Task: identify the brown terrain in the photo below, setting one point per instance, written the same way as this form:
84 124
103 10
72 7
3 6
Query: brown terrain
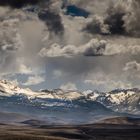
109 129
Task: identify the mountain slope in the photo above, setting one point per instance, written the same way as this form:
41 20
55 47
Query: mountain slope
121 121
120 100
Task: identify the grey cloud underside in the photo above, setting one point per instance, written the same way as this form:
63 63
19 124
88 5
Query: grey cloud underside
95 47
106 43
52 20
121 17
116 18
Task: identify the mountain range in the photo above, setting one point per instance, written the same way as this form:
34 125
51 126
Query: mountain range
68 106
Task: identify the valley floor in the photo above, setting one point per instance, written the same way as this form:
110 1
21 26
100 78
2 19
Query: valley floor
81 132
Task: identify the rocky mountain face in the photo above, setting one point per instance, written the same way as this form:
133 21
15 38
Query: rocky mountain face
119 100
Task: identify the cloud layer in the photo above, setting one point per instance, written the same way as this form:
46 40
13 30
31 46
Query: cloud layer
41 37
95 47
120 17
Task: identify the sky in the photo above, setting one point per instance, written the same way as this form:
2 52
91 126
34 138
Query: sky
70 44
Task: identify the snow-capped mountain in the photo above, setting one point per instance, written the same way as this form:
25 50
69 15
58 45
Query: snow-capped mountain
120 100
9 88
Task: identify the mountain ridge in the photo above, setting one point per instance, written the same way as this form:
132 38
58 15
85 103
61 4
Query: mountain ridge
118 100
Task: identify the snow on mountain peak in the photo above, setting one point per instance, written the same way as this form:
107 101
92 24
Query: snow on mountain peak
8 88
121 100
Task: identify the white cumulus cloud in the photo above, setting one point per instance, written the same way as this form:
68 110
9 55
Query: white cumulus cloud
34 80
68 86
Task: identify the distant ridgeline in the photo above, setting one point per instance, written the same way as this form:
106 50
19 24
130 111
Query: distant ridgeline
120 100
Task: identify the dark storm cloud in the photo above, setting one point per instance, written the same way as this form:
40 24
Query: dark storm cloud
51 18
18 3
114 18
112 24
97 26
69 52
115 23
121 17
53 21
